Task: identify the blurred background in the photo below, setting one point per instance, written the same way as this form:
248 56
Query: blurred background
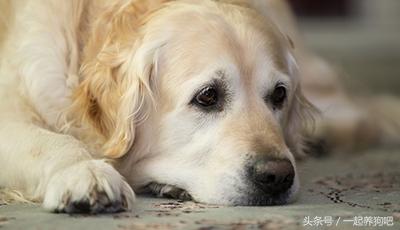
361 37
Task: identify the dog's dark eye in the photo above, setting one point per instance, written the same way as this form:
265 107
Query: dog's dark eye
207 97
278 97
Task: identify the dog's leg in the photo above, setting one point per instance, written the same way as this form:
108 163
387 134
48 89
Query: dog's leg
58 170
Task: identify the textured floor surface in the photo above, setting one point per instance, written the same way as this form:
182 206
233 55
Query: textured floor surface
336 191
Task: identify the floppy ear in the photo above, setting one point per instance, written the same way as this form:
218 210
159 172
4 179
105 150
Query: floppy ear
299 124
300 119
114 94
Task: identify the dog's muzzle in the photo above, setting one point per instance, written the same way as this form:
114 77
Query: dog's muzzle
268 181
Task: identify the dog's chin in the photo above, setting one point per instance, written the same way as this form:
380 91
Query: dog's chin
259 198
253 197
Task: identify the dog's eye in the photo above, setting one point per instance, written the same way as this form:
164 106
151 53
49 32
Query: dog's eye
278 97
207 97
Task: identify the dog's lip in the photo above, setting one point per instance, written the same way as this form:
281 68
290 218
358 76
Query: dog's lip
167 191
253 197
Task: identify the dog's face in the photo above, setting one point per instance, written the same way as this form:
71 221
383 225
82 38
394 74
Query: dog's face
225 113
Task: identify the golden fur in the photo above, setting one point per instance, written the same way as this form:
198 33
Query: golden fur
105 96
105 80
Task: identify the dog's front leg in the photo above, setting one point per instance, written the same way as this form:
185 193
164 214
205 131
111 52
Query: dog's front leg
58 170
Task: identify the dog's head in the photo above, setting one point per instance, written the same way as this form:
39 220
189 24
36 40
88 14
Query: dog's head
202 96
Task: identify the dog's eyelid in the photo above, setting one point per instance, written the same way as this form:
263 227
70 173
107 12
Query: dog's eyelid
220 89
217 84
277 96
281 84
278 84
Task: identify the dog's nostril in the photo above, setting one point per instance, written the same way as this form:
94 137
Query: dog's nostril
270 179
273 176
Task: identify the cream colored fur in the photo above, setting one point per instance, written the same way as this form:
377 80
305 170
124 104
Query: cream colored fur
94 98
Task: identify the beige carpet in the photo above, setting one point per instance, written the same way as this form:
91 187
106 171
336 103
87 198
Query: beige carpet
340 192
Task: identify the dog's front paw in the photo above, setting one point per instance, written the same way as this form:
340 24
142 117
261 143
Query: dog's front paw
88 187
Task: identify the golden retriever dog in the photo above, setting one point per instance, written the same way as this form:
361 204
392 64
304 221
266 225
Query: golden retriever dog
189 99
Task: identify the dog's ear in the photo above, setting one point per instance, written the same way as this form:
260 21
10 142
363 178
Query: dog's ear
300 118
299 124
114 94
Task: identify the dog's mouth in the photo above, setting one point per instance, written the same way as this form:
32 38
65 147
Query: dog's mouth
173 192
167 191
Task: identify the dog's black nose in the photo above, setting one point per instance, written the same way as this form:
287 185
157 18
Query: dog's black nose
273 176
